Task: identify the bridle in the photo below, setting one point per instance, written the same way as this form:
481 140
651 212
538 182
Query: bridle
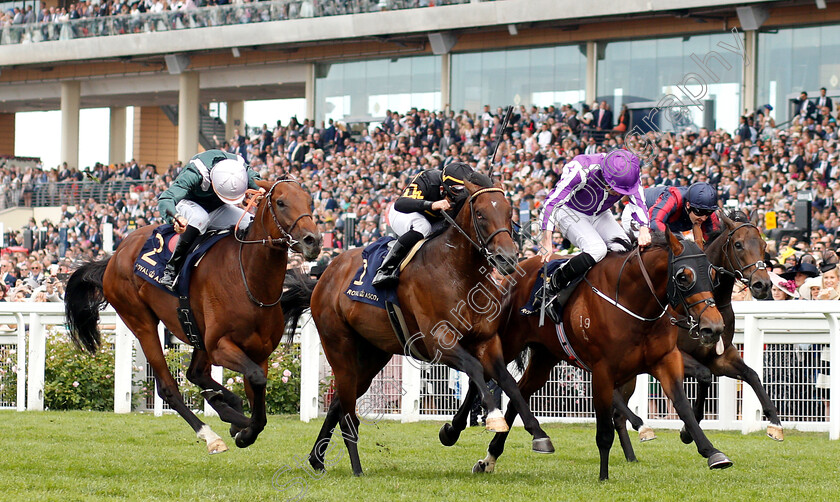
483 242
676 294
737 271
284 242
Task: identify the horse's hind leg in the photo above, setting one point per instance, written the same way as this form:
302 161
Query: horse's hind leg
229 355
693 368
669 372
536 374
143 324
620 423
449 433
319 450
227 404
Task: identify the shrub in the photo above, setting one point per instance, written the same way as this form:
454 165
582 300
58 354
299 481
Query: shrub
76 380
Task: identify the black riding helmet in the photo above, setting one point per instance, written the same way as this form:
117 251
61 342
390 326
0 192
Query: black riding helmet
702 196
453 177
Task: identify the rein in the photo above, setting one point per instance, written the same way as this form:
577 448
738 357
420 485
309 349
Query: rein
615 301
285 241
482 243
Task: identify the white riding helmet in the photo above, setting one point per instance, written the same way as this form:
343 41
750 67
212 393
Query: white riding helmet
230 180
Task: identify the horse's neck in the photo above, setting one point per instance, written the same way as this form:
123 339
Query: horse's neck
657 270
260 261
453 247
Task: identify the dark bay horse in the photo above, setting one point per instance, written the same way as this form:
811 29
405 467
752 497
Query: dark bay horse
232 295
451 306
616 326
737 252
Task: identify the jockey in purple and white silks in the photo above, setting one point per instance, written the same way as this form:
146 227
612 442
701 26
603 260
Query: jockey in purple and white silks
579 207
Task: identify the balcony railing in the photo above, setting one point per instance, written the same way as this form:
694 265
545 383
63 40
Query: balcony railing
243 13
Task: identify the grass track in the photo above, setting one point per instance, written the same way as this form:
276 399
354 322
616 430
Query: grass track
102 456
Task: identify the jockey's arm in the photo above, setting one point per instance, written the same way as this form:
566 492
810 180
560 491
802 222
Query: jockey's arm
572 181
662 211
178 191
413 198
640 214
253 176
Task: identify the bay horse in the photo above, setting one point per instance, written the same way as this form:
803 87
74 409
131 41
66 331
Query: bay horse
616 325
235 294
737 253
451 306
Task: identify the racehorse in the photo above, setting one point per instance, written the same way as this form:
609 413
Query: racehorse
453 265
614 336
737 253
234 293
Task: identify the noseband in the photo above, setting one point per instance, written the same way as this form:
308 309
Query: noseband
483 242
737 271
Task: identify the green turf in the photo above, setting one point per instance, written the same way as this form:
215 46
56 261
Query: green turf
102 456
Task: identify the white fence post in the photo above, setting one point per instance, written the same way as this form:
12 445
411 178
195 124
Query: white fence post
159 400
21 362
310 359
728 402
754 357
411 379
123 366
834 377
37 356
217 373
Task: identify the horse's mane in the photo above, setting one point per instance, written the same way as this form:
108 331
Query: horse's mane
734 215
657 239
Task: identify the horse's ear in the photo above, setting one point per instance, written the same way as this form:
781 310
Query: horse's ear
498 184
725 219
471 187
264 184
755 219
673 242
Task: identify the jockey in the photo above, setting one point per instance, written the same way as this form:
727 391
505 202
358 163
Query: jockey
681 208
204 195
579 206
413 214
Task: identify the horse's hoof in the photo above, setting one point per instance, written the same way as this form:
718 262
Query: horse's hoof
775 432
542 445
316 464
448 435
685 437
217 446
719 461
497 424
646 434
483 467
243 439
234 430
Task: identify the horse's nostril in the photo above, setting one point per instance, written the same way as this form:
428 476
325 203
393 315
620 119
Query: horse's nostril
309 240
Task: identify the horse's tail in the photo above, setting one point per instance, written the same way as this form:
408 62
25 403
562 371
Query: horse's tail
83 299
521 358
297 292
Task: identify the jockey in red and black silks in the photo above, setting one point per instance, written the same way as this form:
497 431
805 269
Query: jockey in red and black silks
680 208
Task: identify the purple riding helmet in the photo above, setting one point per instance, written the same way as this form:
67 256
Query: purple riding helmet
621 171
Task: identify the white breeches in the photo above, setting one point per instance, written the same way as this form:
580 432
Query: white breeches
218 219
590 233
403 222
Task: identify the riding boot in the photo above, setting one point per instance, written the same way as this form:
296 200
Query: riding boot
389 271
562 278
176 261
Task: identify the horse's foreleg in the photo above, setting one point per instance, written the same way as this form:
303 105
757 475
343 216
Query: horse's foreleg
146 332
536 374
669 372
731 365
227 404
602 394
229 355
449 433
694 368
457 357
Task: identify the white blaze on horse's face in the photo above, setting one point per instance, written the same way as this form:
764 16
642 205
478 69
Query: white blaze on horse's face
493 202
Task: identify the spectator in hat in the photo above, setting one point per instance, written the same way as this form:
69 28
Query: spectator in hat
782 289
802 271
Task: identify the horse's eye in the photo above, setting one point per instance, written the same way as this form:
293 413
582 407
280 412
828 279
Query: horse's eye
280 203
739 246
479 215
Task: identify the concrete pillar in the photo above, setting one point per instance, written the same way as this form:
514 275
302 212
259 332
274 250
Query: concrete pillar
71 93
7 134
749 89
116 139
155 138
309 91
188 119
446 81
591 72
235 118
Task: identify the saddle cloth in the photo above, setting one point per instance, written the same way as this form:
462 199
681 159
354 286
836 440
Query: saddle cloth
361 289
158 249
